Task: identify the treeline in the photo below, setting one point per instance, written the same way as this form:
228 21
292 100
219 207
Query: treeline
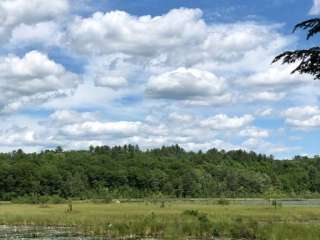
128 172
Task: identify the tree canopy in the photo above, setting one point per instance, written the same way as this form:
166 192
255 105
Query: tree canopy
128 172
309 59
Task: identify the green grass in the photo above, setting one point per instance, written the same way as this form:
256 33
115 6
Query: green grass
174 221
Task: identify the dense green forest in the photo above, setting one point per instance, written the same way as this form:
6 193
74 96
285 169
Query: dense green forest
128 172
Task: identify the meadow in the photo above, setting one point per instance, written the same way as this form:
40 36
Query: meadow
171 220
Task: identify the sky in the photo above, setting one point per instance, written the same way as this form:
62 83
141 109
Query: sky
197 73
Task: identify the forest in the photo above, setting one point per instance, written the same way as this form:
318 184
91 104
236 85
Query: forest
128 172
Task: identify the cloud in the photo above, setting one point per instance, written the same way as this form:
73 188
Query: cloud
210 47
35 99
264 96
276 76
73 129
306 117
116 71
47 33
123 56
15 136
260 145
78 130
187 84
111 82
315 10
147 80
89 129
14 13
31 77
274 83
87 95
234 49
180 118
265 112
117 31
254 132
65 117
224 122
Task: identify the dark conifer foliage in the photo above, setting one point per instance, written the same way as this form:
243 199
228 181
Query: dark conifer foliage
309 58
312 25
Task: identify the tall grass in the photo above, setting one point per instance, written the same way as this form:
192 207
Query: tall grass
175 220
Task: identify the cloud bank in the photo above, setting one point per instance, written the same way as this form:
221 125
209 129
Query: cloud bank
116 78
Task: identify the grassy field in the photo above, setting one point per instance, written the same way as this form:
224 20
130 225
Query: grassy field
175 220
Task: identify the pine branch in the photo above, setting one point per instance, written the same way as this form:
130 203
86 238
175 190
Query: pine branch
312 25
310 60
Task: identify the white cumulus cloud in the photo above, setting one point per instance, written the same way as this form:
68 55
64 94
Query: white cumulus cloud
224 122
187 84
14 12
315 10
305 117
118 31
47 33
96 128
31 76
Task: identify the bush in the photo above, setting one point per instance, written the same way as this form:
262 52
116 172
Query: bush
43 199
26 199
223 201
105 200
244 230
205 224
220 229
56 199
36 199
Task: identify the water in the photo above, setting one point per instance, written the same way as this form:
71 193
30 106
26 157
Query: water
285 202
46 233
41 233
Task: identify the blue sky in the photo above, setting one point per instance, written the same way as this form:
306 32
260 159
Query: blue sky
155 72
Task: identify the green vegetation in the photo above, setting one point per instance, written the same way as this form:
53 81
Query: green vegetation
177 220
124 172
106 173
154 186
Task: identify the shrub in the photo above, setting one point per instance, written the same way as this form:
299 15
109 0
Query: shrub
107 200
223 201
56 199
26 199
36 199
43 199
205 224
244 230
